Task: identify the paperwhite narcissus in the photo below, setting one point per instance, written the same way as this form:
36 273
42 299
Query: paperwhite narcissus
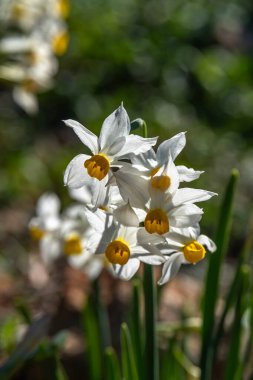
162 211
114 142
187 248
121 243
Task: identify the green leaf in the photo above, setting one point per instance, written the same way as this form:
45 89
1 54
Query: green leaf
170 368
112 368
212 279
233 358
127 353
92 339
151 352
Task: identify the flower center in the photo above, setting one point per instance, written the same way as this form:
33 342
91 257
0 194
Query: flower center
62 8
117 252
17 11
161 182
36 233
97 166
154 171
156 221
73 245
194 252
60 43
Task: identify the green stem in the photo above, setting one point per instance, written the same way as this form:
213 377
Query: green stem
151 353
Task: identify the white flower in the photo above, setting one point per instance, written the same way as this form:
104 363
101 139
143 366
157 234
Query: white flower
187 248
162 211
121 243
47 216
113 143
151 162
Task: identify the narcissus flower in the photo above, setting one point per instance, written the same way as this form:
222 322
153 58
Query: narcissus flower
162 211
121 243
114 143
187 248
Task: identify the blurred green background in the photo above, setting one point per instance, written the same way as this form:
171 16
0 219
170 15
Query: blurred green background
180 65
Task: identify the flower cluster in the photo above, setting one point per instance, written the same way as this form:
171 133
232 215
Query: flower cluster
37 33
130 207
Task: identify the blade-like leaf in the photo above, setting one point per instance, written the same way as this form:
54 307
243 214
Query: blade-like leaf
112 369
233 358
212 280
92 338
127 353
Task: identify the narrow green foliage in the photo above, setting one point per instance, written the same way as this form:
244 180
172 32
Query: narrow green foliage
151 352
127 355
102 315
136 329
169 367
212 280
233 362
190 369
112 369
92 339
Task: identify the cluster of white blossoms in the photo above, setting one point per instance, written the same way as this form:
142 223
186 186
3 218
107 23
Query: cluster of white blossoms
35 32
130 208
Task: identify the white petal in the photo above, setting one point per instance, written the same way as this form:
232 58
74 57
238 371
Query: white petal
114 147
85 135
144 237
127 271
133 188
50 248
175 240
99 220
129 234
171 147
170 170
205 240
188 195
144 161
99 193
125 215
148 254
94 266
78 261
26 100
136 144
115 125
171 267
48 204
188 174
76 175
82 194
185 215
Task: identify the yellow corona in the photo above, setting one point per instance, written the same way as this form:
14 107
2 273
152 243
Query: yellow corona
117 252
156 221
194 252
73 245
97 166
